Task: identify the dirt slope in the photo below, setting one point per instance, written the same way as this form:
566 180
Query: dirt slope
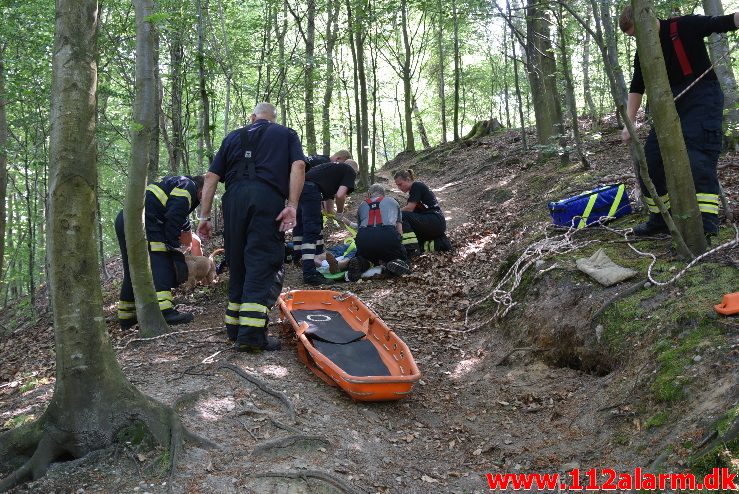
479 408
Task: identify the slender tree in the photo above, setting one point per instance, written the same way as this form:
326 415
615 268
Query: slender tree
92 398
3 159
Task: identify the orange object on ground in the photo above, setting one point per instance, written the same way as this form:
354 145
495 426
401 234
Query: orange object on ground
347 345
729 305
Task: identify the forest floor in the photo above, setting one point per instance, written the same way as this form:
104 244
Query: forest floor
554 385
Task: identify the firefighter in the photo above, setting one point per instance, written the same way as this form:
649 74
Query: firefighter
330 183
263 167
166 208
379 234
424 225
700 110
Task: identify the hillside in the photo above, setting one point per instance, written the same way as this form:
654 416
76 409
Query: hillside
555 384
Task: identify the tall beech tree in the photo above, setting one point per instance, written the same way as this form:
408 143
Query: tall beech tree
92 398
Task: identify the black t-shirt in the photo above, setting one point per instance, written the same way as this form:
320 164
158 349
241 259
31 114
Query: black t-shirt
691 29
423 197
330 176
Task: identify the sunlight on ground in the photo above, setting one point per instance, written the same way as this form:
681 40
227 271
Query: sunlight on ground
446 186
165 359
274 370
465 367
477 246
213 409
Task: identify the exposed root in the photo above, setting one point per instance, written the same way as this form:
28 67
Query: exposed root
46 452
264 387
21 441
625 293
284 442
313 474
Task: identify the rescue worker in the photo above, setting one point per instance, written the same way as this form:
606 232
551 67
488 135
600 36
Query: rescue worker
166 208
263 167
329 182
379 234
700 110
424 225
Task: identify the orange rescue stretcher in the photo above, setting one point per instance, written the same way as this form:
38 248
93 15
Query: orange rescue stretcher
347 345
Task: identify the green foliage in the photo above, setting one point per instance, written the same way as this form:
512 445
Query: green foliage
656 420
34 383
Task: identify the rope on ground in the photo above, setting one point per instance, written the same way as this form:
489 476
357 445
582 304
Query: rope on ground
564 243
168 334
692 263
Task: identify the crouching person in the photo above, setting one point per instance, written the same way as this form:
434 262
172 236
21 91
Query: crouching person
379 235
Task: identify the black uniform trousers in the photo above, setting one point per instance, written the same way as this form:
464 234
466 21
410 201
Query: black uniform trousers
162 270
255 249
379 244
701 112
421 231
308 231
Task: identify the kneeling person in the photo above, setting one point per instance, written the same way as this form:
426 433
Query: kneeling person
379 235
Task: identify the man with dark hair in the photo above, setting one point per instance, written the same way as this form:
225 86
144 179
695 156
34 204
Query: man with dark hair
700 110
166 208
263 167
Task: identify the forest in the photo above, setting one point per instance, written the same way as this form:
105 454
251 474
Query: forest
393 81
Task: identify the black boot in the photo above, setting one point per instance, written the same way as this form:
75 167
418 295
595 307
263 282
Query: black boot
655 225
174 317
270 344
357 265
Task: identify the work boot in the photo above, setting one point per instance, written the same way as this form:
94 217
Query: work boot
270 345
655 225
357 265
333 264
398 267
174 317
315 279
443 244
128 323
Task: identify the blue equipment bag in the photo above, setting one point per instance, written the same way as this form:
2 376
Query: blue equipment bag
611 201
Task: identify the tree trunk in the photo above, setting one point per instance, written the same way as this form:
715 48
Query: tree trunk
440 50
680 185
719 48
92 399
202 86
363 120
227 69
176 56
282 74
517 83
375 106
3 160
310 43
586 87
31 237
609 34
570 90
419 124
542 71
457 69
355 32
148 313
332 28
410 143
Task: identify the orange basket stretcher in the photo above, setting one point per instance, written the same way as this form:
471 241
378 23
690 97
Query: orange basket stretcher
347 345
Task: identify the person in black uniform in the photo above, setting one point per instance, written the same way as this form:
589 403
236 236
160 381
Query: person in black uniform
424 225
263 167
700 110
326 182
166 208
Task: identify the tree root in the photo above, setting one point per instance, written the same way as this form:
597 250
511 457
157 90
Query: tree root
284 442
313 474
264 387
628 291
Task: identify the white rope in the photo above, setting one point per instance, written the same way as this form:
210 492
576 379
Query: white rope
502 294
166 335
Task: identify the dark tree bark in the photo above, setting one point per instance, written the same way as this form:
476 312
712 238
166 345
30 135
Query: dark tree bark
309 69
516 79
92 399
586 86
204 113
457 69
410 143
332 27
442 82
176 60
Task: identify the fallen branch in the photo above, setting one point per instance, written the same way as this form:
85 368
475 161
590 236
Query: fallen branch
264 387
314 474
629 291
